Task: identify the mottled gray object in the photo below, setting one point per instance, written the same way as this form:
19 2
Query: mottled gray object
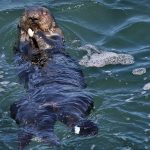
106 58
139 71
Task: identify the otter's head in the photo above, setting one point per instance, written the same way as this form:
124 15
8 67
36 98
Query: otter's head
37 20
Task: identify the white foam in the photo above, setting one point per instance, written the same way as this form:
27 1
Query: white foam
139 71
106 58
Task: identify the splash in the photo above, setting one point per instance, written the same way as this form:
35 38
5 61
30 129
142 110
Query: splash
97 58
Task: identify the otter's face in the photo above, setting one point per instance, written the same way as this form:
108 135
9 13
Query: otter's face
38 18
33 21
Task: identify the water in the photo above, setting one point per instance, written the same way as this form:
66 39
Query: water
122 106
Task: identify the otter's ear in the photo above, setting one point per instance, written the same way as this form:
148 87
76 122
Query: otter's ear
18 26
44 6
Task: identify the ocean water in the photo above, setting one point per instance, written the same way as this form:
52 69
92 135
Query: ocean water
121 92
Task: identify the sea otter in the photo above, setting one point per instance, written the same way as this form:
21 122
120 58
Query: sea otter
54 82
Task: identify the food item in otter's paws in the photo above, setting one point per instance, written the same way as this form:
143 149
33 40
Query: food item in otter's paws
30 32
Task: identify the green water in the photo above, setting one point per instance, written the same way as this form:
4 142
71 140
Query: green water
122 107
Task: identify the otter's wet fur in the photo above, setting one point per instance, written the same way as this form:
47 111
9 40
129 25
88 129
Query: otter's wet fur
54 82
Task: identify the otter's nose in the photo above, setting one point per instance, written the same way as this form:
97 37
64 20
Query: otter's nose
33 19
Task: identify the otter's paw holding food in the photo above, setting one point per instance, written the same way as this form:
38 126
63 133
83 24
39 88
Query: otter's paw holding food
30 32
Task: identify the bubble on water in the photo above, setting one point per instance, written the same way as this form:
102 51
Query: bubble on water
146 86
2 90
148 115
139 71
104 58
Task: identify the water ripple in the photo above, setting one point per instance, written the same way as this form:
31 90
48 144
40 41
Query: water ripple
121 104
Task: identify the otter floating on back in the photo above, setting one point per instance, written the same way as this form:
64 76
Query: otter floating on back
55 86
